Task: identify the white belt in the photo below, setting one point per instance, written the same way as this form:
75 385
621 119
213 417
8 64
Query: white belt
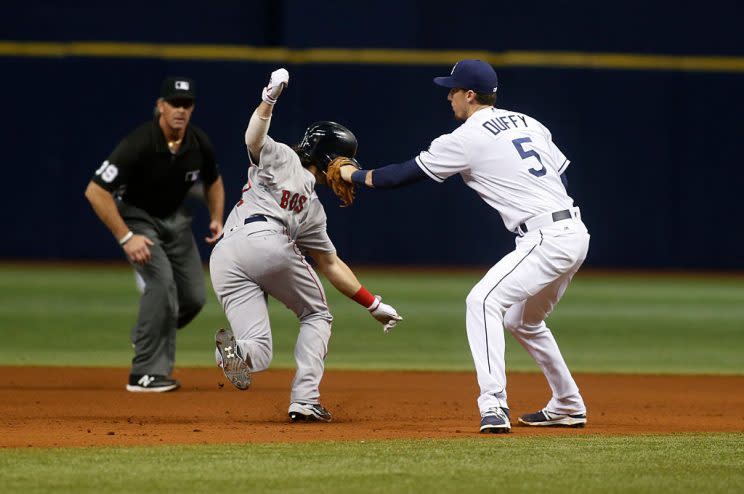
542 220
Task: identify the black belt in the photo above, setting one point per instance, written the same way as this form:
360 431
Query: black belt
557 216
250 219
255 217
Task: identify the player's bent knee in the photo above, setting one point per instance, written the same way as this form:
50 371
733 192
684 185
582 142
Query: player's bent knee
475 298
531 330
322 315
478 300
512 324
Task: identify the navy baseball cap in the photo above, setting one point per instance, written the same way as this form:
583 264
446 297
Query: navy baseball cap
177 87
471 74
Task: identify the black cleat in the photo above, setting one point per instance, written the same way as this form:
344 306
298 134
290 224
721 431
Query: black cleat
308 412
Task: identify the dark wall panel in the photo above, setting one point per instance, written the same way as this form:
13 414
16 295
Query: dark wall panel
655 162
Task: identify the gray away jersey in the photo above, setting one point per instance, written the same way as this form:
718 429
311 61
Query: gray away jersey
279 187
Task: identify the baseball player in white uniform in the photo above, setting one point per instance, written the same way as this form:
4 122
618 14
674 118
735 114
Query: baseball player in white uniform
510 160
277 221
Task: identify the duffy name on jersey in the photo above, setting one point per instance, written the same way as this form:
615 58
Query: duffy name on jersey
497 124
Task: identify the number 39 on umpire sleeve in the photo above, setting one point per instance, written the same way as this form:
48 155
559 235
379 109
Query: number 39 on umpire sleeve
107 171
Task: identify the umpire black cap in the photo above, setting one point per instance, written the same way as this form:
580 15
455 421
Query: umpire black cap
177 87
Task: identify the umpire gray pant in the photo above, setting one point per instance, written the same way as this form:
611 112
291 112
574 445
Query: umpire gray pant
174 288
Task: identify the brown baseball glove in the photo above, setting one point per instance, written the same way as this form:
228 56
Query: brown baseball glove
344 190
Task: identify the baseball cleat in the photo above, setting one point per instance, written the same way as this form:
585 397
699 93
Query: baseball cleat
308 412
151 383
235 367
544 418
495 421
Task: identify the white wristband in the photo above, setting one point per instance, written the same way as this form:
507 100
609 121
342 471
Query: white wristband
126 238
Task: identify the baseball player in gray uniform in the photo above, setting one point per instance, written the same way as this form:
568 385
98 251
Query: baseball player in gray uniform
277 221
510 160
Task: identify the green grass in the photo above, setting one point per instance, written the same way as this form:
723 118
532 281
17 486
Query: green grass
68 315
638 464
72 315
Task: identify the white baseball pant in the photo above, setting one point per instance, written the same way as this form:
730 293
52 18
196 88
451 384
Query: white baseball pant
518 293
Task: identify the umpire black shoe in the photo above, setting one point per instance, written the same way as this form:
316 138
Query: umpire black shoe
235 367
308 412
151 383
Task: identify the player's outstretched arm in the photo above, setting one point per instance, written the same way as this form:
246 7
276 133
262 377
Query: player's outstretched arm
346 282
386 177
258 126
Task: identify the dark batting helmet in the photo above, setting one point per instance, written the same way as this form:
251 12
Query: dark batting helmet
324 141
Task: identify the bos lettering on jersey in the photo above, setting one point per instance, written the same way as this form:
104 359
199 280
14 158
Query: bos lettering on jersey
498 124
292 202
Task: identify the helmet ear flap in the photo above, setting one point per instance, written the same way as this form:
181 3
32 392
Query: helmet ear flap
304 156
325 160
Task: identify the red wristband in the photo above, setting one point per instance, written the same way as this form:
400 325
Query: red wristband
363 297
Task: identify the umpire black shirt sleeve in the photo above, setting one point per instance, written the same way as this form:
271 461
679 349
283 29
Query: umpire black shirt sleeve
116 170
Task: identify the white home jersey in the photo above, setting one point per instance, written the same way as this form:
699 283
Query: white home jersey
508 158
279 187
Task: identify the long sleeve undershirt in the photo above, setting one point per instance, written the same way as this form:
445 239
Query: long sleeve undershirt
390 176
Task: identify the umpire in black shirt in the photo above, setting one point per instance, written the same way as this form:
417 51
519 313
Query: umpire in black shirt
138 193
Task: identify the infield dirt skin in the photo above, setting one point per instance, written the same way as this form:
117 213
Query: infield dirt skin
62 406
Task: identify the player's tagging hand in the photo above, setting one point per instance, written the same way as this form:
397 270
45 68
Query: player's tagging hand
384 313
346 171
278 81
138 249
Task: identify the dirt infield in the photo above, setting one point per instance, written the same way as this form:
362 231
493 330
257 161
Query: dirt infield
42 407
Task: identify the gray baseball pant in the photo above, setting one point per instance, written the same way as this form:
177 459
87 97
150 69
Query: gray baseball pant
259 260
174 288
